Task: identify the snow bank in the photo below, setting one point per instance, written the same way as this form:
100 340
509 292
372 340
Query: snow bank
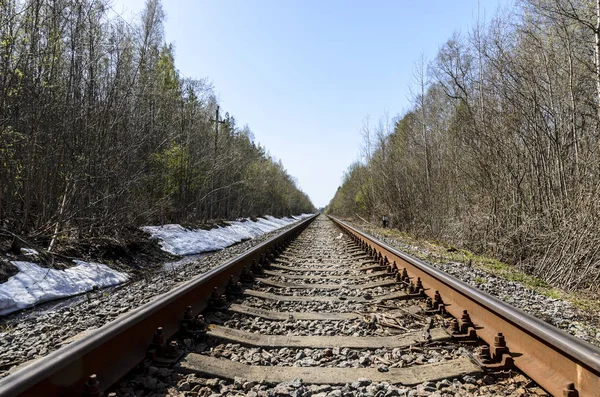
178 240
34 284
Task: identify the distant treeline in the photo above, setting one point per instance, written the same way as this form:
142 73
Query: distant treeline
98 130
500 152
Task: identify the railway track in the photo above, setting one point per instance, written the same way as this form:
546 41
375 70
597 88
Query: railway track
321 309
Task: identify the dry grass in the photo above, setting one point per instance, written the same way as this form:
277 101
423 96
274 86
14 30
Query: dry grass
439 252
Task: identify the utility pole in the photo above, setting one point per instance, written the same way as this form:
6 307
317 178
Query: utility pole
214 162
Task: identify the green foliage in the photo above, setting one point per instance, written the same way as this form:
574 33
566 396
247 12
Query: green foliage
170 167
166 73
95 115
354 197
499 152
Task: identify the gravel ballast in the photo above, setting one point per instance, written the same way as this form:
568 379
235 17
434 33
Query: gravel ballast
558 312
28 335
152 381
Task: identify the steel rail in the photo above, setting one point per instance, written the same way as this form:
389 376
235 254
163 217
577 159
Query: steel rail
116 348
560 363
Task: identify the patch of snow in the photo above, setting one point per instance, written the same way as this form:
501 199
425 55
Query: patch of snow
29 252
301 216
34 284
178 240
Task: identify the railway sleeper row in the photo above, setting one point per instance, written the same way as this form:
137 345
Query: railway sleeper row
322 323
320 313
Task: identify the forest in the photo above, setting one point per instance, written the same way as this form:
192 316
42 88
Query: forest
499 152
100 131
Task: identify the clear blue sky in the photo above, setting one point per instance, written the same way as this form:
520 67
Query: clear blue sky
303 74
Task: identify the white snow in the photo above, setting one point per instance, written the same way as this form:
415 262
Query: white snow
34 284
29 252
178 240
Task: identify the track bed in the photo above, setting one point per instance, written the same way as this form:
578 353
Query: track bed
325 318
318 310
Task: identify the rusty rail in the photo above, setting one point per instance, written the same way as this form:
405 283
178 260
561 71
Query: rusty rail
560 363
113 350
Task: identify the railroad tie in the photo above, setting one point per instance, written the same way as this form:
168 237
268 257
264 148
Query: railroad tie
288 298
281 316
331 269
408 376
278 284
322 342
311 277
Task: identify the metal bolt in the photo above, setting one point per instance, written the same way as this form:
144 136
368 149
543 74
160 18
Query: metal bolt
465 322
437 299
411 288
499 349
499 340
454 329
419 284
200 322
188 314
465 317
570 391
247 274
485 355
159 337
92 387
172 349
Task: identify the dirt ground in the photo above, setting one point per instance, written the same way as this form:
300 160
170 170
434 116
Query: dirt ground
133 251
